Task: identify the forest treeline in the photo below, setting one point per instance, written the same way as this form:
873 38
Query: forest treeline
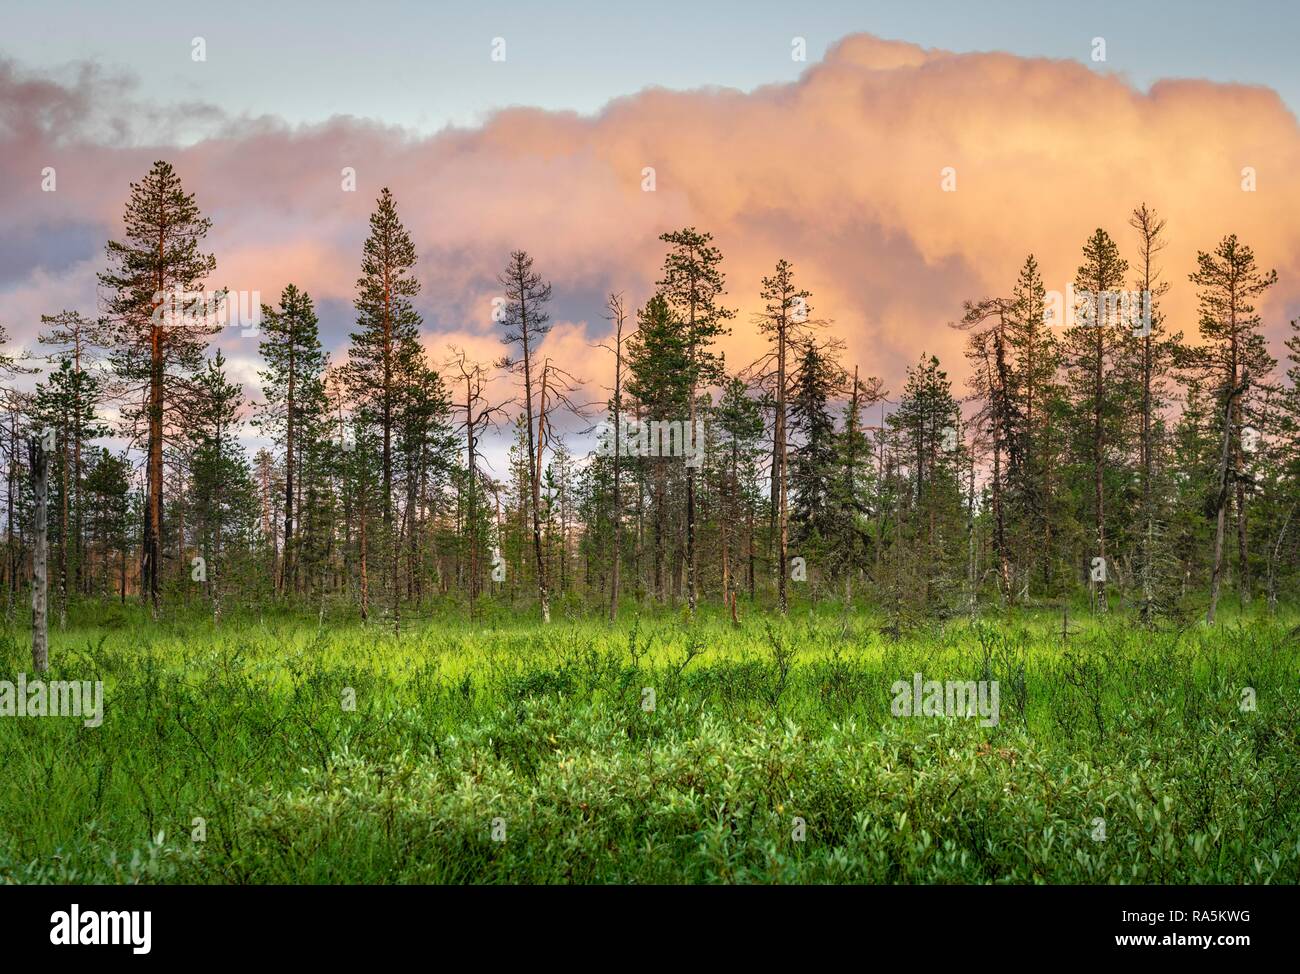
1135 466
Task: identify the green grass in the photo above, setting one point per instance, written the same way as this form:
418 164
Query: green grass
458 724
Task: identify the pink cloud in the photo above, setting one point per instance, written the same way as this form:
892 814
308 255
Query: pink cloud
839 172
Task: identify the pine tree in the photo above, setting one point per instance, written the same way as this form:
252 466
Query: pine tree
526 322
1034 509
222 496
66 403
921 568
818 378
160 331
1152 357
294 410
692 284
993 383
107 489
658 364
426 446
785 321
1092 348
385 353
738 419
1283 553
854 483
1235 360
79 340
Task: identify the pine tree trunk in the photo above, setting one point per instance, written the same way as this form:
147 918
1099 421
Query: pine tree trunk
40 554
286 570
151 565
1216 570
534 467
1098 466
618 451
782 521
363 556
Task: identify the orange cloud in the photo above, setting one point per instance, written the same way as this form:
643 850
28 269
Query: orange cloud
838 172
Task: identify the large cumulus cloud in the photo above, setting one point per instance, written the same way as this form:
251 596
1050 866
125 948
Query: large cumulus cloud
838 172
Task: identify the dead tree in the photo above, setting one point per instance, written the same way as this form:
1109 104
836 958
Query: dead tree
618 315
479 416
40 556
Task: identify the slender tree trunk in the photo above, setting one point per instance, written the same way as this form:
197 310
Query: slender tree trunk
286 568
1099 498
40 620
472 480
1237 421
151 564
659 500
12 550
535 473
753 555
618 456
1148 533
691 559
1243 542
729 517
63 533
363 557
1225 457
782 519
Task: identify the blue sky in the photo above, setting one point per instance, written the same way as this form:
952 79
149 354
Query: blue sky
425 65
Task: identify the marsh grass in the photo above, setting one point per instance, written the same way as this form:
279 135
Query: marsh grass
457 724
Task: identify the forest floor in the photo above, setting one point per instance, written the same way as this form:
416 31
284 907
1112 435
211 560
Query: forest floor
278 750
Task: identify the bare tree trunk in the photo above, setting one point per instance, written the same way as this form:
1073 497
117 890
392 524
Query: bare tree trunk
753 555
12 550
1216 571
1099 495
472 465
543 591
692 558
659 501
1148 594
77 552
63 537
730 516
40 555
779 458
1272 561
151 562
1243 546
616 308
850 492
363 552
535 472
726 563
286 569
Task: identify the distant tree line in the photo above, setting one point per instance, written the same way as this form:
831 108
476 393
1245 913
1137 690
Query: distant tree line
1105 456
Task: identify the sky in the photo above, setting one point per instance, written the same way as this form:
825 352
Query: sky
1053 118
423 65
